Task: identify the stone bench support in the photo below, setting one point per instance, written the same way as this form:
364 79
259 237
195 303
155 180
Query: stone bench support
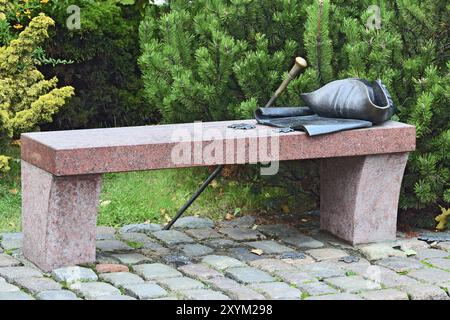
59 216
361 175
359 196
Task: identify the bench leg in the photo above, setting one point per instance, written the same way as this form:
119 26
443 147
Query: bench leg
359 196
59 216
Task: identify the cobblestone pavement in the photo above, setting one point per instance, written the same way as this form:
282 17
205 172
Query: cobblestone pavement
238 259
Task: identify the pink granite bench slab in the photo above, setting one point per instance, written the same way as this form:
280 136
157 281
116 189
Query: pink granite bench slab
77 152
360 172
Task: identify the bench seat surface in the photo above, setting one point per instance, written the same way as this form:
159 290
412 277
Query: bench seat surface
79 152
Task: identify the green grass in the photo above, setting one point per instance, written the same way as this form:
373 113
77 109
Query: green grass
153 196
10 197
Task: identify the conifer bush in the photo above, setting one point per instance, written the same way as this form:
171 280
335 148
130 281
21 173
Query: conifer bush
104 72
221 59
27 99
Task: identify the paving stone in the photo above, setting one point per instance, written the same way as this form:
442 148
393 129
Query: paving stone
298 261
378 251
6 287
196 249
13 273
142 228
322 270
411 244
431 275
400 264
423 254
105 236
244 254
148 290
193 223
105 258
11 241
56 295
203 234
115 297
337 296
269 246
425 292
36 285
112 246
204 294
177 260
241 222
384 294
241 234
15 295
233 289
106 268
272 265
303 242
131 258
352 284
172 237
135 237
105 230
361 263
316 288
93 290
222 262
156 271
8 261
153 248
248 275
11 236
444 246
386 277
277 290
74 274
442 263
105 233
120 279
222 243
326 253
199 271
295 277
182 283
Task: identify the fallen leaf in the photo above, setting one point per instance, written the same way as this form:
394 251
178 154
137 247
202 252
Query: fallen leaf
214 184
105 203
257 251
13 191
167 218
410 252
16 143
255 227
229 216
285 208
304 220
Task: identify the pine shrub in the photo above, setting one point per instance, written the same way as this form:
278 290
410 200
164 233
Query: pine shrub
216 60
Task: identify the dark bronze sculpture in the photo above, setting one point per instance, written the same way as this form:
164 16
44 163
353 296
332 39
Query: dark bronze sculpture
339 105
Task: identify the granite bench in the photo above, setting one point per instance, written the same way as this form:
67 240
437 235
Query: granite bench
361 173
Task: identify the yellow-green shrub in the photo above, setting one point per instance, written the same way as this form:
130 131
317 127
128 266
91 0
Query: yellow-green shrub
27 99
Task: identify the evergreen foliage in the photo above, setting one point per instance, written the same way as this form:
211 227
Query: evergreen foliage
216 60
104 72
27 99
